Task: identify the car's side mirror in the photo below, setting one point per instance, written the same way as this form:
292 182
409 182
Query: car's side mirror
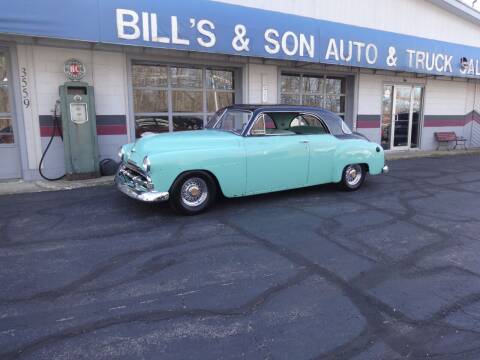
258 129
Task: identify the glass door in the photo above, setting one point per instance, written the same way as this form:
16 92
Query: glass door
401 116
417 111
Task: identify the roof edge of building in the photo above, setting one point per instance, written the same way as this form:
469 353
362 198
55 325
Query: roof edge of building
460 9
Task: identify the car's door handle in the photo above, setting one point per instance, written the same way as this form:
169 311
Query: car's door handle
304 141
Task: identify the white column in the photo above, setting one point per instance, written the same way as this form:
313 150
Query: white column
29 103
262 84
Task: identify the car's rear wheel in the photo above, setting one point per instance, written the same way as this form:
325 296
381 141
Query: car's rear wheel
353 177
193 193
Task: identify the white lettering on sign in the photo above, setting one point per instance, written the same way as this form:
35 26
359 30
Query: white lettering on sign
371 54
425 61
175 35
127 19
473 68
146 26
290 38
359 46
191 32
308 45
332 50
241 42
356 49
271 36
154 27
128 28
349 55
205 28
289 43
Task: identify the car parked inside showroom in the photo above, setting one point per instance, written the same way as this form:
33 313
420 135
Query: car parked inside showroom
247 150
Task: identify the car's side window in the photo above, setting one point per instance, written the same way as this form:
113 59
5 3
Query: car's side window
258 128
234 121
307 124
267 124
298 121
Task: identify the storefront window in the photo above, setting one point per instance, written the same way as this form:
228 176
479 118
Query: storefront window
6 126
150 100
155 124
186 78
155 76
219 80
290 84
4 103
322 91
172 98
183 123
217 100
187 101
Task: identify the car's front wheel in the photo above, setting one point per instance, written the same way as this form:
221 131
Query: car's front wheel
193 193
353 177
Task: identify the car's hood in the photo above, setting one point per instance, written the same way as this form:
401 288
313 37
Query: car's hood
177 141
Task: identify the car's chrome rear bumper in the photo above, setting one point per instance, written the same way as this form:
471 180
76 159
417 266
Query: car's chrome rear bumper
137 186
385 169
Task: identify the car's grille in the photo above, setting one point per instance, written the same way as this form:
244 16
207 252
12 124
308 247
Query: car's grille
135 176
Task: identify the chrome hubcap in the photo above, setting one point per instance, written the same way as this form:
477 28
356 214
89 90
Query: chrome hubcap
194 192
353 175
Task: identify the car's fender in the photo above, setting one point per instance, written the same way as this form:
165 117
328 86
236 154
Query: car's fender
226 164
358 152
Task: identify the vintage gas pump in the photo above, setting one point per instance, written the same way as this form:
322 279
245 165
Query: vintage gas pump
79 124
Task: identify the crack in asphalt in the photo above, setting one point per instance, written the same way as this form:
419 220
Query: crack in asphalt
155 316
410 338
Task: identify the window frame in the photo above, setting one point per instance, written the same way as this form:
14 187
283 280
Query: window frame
321 122
323 93
169 88
248 133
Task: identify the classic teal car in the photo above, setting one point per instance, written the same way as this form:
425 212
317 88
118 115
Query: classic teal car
246 150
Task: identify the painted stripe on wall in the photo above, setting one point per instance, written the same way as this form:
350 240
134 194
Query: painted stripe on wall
368 121
443 121
106 125
373 121
450 120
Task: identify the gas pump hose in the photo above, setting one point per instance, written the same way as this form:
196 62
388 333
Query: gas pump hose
56 126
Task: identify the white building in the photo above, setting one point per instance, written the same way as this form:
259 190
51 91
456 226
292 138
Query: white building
397 70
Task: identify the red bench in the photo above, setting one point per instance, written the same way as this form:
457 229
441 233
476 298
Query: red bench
445 138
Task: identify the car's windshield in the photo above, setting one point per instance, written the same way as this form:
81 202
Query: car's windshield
230 120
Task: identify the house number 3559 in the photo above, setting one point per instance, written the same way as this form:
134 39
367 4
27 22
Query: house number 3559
24 85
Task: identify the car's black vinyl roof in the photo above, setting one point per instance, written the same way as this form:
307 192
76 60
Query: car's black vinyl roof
332 120
266 107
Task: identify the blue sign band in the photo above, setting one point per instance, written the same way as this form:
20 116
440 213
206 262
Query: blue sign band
207 26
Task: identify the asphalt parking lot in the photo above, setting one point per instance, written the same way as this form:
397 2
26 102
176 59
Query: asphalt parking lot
390 272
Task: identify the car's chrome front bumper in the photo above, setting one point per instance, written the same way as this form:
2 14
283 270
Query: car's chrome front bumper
137 186
386 169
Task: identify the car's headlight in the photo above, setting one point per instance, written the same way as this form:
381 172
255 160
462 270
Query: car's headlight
146 164
121 153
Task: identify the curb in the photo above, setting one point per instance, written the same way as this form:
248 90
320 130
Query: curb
26 187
